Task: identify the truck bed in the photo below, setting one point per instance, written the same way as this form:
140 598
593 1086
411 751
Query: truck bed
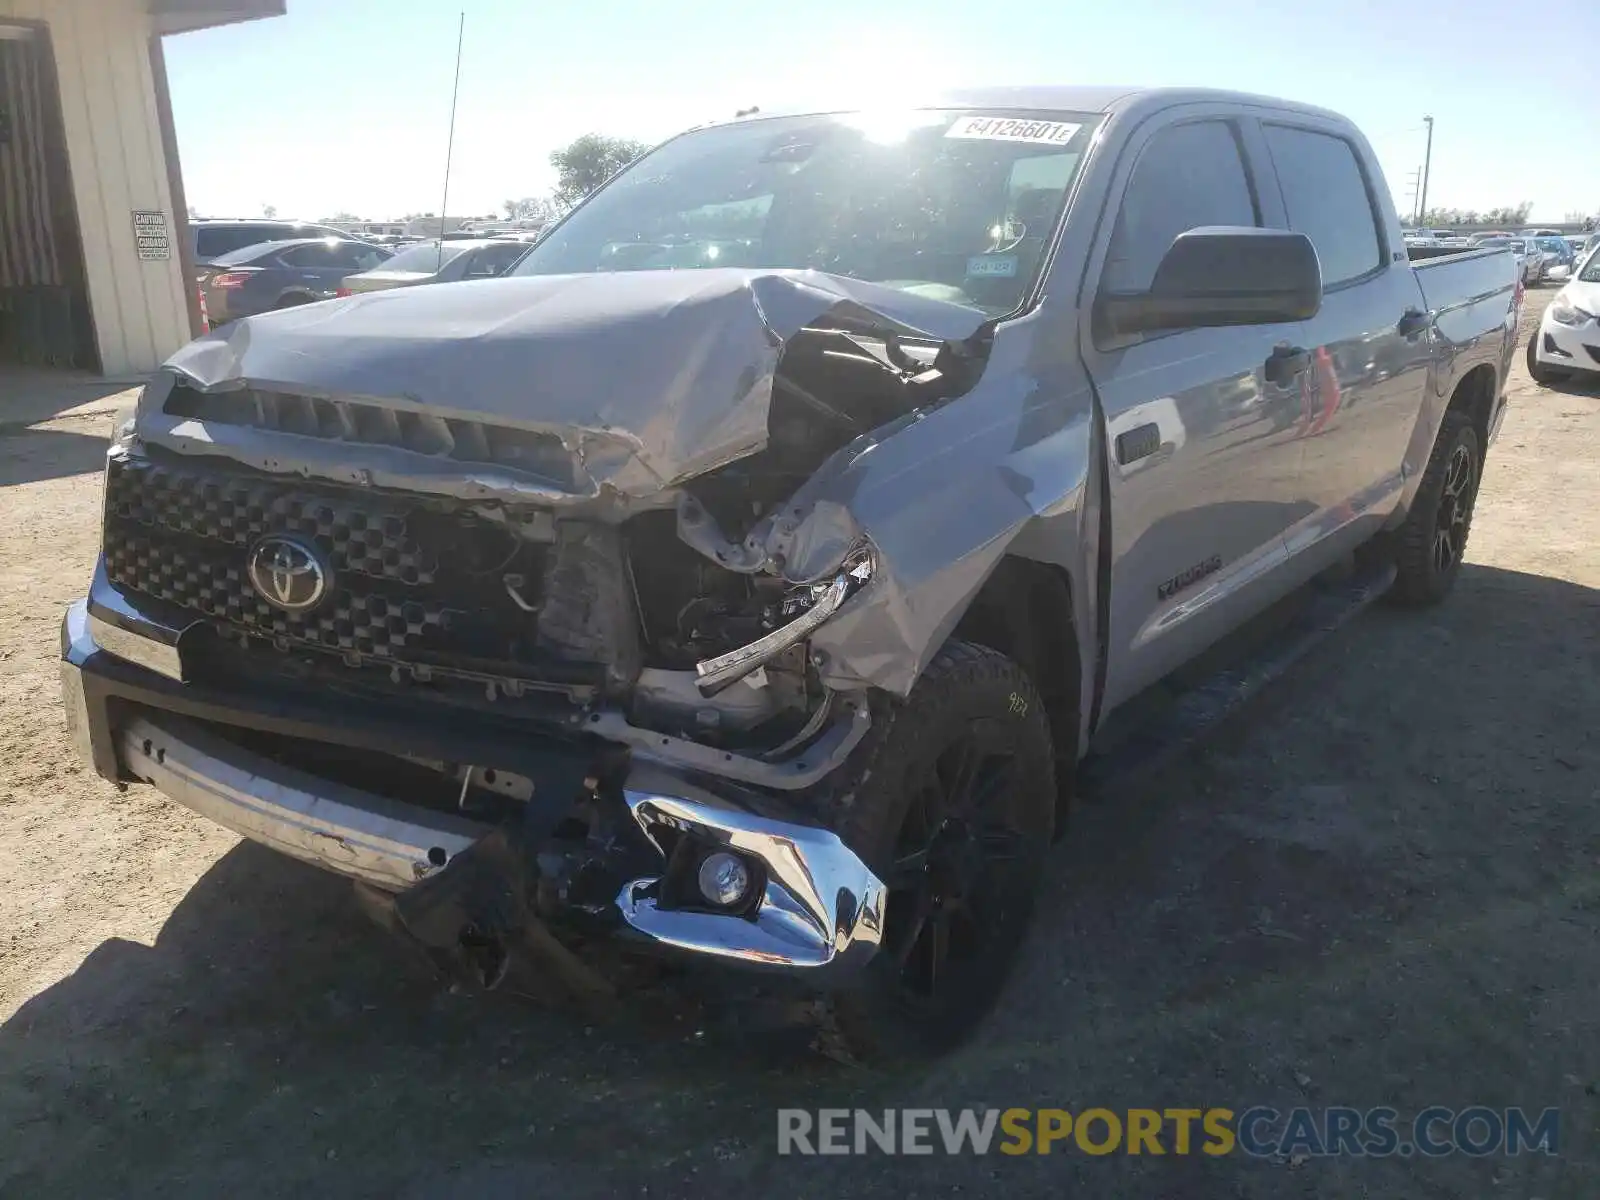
1466 291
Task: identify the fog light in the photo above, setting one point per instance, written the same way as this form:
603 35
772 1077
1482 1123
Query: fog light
724 879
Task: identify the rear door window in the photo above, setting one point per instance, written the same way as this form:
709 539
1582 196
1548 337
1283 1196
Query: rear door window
1327 198
213 241
424 257
1187 176
490 261
312 256
337 256
360 257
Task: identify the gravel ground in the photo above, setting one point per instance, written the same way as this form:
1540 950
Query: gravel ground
1378 885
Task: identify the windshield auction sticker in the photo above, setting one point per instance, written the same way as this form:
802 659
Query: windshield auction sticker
1011 129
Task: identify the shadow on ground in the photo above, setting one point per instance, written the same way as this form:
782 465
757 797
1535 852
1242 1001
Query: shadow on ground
1377 886
29 395
1586 384
29 455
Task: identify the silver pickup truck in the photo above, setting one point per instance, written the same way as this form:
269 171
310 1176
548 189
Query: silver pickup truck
743 579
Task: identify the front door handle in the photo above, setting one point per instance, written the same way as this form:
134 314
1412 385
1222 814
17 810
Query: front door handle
1286 362
1413 322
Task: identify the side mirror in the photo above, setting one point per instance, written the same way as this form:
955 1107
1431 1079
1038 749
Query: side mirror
1223 275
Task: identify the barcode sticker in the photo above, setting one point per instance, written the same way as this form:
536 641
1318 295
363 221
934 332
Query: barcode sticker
1012 129
992 266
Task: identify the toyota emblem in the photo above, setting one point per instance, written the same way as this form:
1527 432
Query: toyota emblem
288 574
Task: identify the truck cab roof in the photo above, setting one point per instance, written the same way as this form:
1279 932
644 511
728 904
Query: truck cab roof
1082 98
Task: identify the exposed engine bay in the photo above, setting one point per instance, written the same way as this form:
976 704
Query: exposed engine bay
831 387
644 602
660 606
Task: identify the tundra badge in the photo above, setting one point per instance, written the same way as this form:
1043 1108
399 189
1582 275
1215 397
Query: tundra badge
1189 577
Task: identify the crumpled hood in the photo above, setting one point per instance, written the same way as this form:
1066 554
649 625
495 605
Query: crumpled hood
649 378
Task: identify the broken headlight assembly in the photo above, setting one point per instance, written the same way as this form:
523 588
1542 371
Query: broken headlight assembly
124 423
809 608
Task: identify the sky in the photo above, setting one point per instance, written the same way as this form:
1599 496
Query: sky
344 105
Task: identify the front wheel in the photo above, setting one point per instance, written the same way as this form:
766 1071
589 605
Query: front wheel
1433 540
953 806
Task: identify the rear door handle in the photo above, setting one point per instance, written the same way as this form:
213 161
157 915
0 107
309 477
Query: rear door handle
1285 362
1413 322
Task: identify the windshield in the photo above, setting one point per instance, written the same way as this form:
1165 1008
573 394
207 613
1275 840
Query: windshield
1591 267
955 205
1518 245
424 257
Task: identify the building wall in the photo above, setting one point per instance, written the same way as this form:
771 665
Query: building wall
114 150
30 224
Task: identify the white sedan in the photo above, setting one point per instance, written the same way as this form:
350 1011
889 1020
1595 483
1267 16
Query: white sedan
1568 338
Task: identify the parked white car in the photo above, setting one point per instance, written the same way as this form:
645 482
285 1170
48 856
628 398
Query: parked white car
1568 338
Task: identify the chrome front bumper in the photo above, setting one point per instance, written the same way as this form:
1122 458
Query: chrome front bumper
821 906
820 914
380 841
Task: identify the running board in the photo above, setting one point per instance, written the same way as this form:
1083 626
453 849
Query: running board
1195 712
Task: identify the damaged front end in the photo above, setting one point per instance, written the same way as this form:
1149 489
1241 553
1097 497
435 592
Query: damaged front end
563 505
708 880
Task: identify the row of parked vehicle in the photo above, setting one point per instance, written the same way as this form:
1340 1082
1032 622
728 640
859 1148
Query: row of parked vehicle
1543 253
243 268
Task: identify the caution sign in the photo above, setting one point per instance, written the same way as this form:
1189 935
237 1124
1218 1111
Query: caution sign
151 237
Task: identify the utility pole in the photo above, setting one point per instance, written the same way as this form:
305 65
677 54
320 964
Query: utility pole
1414 191
450 145
1427 163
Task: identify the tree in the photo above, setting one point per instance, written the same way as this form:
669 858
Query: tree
1444 218
588 162
1509 214
194 213
269 211
529 208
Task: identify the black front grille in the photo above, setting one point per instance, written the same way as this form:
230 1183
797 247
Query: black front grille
356 533
414 582
215 584
347 420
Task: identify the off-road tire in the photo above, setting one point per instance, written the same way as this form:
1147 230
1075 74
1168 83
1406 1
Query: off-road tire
1424 574
968 695
1542 375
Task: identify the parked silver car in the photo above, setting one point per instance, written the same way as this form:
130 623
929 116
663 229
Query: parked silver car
437 262
1530 259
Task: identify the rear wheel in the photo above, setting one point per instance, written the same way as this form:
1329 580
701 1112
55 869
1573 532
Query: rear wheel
1537 371
1433 540
294 301
953 808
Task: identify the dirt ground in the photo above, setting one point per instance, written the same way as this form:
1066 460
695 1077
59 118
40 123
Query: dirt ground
1378 885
